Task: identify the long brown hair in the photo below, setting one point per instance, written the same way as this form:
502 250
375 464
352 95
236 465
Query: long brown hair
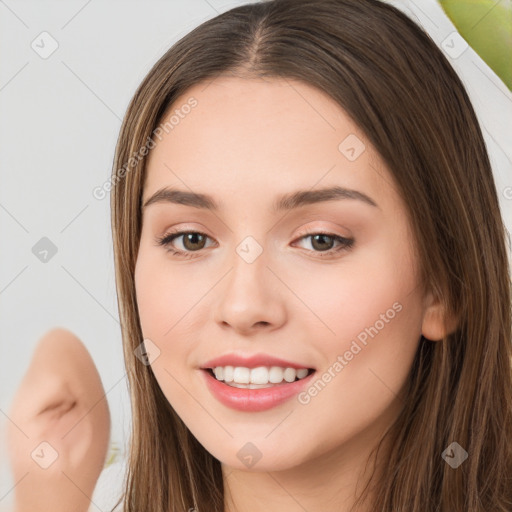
398 87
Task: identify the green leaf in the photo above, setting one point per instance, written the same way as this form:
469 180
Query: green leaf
486 25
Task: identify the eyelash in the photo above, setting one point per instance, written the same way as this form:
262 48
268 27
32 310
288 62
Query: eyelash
165 241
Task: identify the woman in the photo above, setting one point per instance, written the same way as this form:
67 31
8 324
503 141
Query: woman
269 371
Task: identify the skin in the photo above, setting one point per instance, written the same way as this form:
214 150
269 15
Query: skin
245 143
60 402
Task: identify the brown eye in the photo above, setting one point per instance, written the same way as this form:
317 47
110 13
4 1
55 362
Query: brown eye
193 241
322 242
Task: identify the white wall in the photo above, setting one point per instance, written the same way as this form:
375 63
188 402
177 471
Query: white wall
59 122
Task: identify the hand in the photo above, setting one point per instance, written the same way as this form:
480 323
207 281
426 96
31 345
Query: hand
59 428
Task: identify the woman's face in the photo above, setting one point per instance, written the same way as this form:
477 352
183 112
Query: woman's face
323 281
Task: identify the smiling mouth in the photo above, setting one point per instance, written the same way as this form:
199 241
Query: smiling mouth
257 378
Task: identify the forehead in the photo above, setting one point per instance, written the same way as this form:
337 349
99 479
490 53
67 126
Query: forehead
252 137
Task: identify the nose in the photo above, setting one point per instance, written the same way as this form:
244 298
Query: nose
250 298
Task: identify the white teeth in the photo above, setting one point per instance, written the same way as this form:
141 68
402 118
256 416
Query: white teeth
290 374
250 386
241 375
228 373
275 375
261 376
302 373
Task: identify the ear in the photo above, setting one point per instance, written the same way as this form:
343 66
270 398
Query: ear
437 324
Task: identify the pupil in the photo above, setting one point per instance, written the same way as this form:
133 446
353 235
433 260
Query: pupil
321 237
191 237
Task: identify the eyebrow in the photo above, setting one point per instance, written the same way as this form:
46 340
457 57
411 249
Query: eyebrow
285 202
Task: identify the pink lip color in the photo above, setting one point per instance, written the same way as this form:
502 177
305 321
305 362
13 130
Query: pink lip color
250 362
254 400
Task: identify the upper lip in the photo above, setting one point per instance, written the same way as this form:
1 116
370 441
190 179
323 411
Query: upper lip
252 361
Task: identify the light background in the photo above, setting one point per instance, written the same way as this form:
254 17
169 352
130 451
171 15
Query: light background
59 122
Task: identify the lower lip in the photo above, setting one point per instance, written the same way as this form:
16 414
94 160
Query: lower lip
254 400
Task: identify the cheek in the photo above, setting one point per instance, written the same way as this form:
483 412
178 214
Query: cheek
376 285
171 315
377 320
152 292
163 304
165 296
373 310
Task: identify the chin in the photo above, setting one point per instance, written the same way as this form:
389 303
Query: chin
257 456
